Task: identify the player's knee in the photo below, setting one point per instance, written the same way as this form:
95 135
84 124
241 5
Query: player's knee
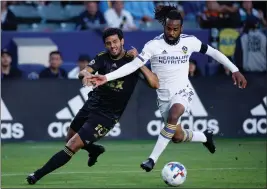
75 143
178 137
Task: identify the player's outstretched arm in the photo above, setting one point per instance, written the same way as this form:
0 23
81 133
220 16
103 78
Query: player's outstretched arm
127 69
150 77
237 77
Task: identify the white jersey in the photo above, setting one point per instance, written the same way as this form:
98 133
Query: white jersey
170 62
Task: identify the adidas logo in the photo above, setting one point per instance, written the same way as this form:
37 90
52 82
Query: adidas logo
114 65
195 120
259 110
257 124
9 129
60 128
164 52
74 105
5 114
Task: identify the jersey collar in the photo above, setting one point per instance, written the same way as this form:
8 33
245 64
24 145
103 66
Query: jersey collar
171 43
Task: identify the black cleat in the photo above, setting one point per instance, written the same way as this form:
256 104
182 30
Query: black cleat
148 165
210 143
97 151
31 179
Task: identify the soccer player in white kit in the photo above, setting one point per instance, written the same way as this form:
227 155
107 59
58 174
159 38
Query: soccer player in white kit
169 55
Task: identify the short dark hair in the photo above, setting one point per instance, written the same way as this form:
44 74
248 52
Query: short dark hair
55 52
164 12
112 31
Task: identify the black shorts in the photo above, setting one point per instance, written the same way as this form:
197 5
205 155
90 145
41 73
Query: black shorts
90 125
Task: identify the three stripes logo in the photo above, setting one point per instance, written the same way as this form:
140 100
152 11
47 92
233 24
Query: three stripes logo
257 123
164 52
9 128
64 116
195 120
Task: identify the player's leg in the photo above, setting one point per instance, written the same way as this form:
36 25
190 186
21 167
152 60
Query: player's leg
187 135
96 127
93 129
57 160
77 124
175 112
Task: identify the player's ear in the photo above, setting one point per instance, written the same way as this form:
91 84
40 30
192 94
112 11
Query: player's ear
122 41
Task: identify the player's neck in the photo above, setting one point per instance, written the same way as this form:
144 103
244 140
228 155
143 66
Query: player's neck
119 56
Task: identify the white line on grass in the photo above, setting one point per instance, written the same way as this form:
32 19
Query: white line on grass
118 172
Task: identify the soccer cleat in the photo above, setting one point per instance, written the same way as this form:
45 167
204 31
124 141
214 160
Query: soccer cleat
31 179
96 151
210 143
148 165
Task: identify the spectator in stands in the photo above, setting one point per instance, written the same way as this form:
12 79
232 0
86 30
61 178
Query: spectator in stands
247 10
54 70
220 14
7 71
8 19
118 17
193 9
142 11
193 70
104 5
251 48
83 61
91 18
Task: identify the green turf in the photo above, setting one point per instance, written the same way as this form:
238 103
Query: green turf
236 164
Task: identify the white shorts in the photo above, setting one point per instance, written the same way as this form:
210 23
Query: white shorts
184 97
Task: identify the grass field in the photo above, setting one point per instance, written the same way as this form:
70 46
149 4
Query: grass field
236 164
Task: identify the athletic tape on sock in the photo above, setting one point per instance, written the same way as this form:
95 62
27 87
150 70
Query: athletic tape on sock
188 135
68 151
168 131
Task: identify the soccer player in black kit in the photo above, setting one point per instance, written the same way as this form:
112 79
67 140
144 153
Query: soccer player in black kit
104 106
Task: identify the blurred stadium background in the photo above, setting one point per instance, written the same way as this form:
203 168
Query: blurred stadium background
31 30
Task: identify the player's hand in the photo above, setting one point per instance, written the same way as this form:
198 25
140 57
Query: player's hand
239 80
133 52
98 80
86 81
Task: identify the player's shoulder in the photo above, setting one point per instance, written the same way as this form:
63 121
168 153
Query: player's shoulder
102 55
187 37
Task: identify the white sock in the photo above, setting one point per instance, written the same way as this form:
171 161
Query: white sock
160 146
198 137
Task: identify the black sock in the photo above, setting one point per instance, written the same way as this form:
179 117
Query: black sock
58 160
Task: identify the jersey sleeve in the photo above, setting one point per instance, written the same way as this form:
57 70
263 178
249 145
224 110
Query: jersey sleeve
198 46
146 53
96 63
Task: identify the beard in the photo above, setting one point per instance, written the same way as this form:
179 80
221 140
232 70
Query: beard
117 55
173 41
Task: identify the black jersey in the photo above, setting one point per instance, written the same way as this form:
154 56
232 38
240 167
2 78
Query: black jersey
111 98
